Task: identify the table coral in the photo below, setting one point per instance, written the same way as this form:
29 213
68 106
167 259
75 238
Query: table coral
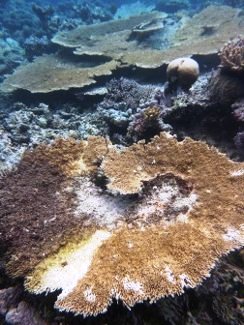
178 208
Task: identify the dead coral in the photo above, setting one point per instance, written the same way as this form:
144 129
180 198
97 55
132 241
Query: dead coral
232 55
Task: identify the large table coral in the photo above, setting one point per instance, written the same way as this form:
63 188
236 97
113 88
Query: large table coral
132 42
136 224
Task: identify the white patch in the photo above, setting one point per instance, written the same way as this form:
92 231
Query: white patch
77 264
101 207
168 135
130 245
134 286
232 234
185 281
183 218
161 195
186 201
89 295
237 173
169 274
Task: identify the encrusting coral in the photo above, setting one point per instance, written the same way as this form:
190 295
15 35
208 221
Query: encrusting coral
178 208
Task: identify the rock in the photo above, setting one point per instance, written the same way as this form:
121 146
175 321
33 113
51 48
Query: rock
24 314
8 299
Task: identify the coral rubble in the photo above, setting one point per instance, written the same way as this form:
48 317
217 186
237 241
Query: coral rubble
183 199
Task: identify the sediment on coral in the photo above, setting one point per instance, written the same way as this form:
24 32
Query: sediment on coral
182 206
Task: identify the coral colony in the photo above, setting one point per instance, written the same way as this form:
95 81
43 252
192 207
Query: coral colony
121 162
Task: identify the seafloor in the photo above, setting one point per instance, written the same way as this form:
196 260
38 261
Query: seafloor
114 161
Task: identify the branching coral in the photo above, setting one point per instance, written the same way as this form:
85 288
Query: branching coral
147 123
232 55
179 207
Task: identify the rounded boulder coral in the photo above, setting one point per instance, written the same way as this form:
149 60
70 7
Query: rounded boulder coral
182 72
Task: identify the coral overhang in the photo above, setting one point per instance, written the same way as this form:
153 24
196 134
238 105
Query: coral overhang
168 212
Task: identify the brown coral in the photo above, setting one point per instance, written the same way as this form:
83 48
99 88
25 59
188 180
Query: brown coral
232 55
179 207
183 72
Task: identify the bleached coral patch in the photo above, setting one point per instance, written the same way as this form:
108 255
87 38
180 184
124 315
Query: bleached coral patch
236 173
185 281
65 276
134 286
89 295
232 234
169 274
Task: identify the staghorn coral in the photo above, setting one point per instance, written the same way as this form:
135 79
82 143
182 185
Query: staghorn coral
232 56
177 210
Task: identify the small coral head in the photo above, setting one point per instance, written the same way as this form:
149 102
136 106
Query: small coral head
152 113
182 72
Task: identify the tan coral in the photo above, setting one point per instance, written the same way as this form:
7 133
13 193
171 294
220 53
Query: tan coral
92 36
185 212
125 43
52 72
197 36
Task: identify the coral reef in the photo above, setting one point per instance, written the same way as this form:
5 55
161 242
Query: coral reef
75 210
122 42
133 111
178 210
25 126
